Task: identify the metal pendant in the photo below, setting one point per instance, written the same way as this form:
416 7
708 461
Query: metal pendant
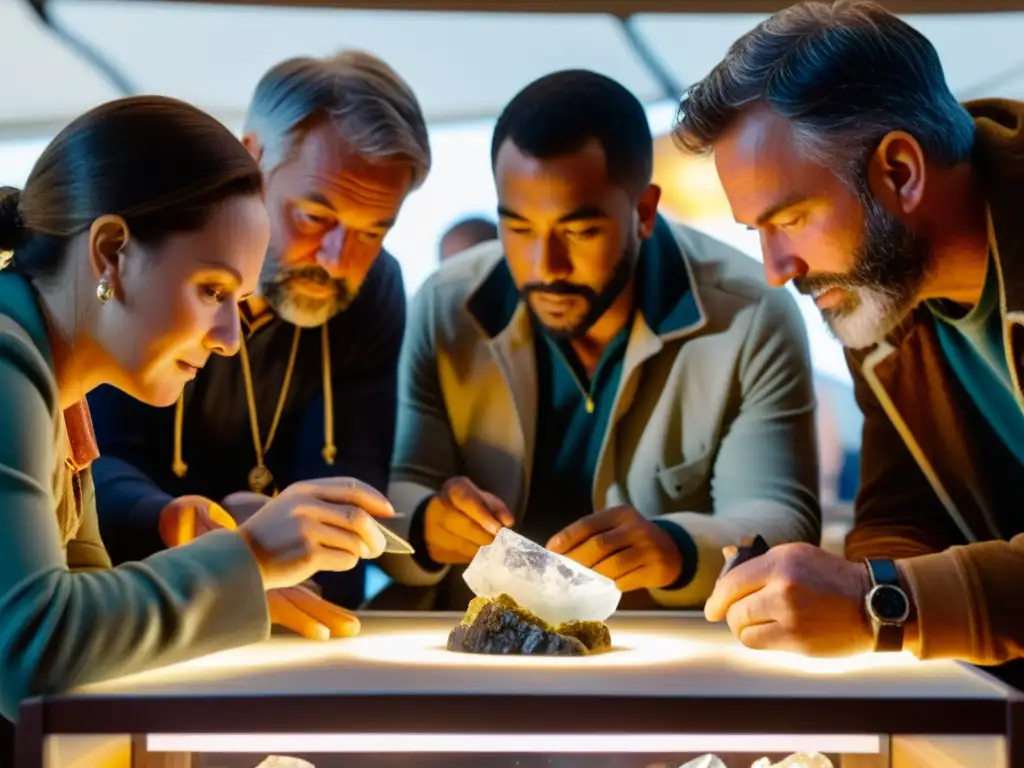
259 479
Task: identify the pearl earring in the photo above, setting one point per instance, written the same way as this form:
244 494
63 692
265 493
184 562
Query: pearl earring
104 290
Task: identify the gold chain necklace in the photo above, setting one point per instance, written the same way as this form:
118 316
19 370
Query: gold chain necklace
259 476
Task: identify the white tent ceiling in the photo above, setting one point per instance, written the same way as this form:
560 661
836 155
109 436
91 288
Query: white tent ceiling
461 64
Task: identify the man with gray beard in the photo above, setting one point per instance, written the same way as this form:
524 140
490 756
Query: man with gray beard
342 142
838 140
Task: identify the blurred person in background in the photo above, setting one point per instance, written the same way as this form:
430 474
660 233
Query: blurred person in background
341 142
464 234
140 228
898 210
618 387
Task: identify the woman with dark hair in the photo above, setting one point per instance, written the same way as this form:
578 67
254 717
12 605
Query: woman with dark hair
140 228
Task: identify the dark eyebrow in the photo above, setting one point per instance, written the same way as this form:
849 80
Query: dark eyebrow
775 210
320 199
221 267
508 213
579 214
584 212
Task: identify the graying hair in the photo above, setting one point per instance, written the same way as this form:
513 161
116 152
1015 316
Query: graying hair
374 109
845 74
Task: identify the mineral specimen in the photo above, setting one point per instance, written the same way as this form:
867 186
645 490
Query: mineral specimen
500 626
551 586
705 761
800 760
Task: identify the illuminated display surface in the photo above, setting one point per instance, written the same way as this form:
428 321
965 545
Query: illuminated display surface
660 655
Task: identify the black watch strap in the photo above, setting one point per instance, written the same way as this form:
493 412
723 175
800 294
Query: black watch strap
884 572
888 637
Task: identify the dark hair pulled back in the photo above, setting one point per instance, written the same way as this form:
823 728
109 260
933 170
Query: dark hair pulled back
161 164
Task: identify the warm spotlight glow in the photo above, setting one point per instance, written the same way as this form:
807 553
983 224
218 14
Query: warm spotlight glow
803 665
631 649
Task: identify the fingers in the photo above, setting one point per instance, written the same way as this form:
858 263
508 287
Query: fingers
575 534
461 519
621 563
764 637
498 509
338 621
345 521
345 491
185 531
449 549
467 499
219 518
748 612
601 547
286 614
743 580
640 578
464 527
323 531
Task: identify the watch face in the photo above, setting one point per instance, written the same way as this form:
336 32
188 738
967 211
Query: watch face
888 604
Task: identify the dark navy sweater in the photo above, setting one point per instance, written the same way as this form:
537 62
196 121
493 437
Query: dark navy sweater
134 478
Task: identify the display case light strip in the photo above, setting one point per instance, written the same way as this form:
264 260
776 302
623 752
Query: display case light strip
510 743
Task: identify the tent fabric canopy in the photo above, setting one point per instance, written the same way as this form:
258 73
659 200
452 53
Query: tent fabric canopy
462 65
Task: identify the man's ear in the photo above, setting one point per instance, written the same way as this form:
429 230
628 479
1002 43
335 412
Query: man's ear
897 173
108 237
647 210
253 144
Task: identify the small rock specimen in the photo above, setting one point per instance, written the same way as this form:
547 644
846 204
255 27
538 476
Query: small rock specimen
501 626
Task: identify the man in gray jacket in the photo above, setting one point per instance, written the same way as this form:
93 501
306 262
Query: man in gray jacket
624 390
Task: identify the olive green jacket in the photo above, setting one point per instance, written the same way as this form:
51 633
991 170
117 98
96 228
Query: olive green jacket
66 617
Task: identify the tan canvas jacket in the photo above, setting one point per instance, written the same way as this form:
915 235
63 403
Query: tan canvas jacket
713 423
928 494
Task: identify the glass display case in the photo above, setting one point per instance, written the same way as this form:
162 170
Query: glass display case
673 688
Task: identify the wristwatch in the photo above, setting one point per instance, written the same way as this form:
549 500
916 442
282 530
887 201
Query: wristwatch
887 605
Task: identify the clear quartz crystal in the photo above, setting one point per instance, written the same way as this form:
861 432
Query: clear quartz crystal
549 585
705 761
800 760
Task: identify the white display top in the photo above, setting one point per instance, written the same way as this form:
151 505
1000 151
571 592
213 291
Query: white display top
656 655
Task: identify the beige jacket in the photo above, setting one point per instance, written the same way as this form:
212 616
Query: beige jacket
713 423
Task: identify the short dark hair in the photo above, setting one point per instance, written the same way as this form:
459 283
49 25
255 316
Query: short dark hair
561 112
845 74
160 163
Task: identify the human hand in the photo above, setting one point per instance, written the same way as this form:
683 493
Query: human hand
188 517
461 519
316 525
306 613
242 505
623 545
798 598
